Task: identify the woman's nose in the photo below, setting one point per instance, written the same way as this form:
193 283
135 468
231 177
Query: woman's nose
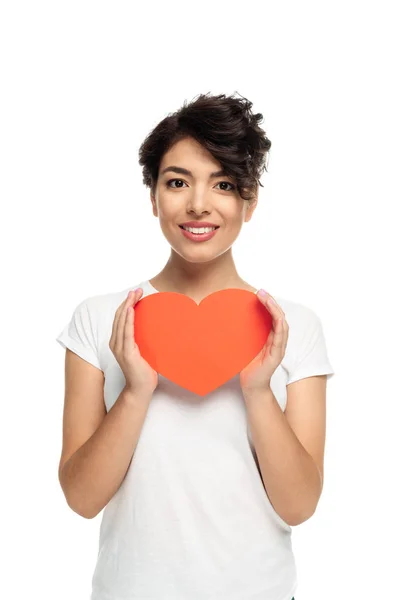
199 203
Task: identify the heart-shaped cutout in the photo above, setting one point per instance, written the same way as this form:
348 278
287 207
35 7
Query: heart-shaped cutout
201 346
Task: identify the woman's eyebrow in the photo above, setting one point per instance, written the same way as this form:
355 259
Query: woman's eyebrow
182 171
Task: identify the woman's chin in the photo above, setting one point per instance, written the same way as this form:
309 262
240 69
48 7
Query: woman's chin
199 255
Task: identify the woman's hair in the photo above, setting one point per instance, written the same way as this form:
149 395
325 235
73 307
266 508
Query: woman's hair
222 124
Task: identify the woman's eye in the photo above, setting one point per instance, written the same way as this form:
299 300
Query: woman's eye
168 182
227 182
224 182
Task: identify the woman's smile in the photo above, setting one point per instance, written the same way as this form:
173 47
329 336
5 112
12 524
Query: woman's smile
202 236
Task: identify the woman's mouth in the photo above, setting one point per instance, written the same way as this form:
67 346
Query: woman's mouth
201 234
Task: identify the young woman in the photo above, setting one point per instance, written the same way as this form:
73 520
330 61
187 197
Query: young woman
200 494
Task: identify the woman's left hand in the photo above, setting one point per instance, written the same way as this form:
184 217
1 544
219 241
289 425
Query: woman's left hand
257 375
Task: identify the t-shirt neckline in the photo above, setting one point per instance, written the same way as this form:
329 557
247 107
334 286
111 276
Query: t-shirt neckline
153 289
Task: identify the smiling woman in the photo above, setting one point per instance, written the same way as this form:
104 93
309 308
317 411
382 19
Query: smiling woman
217 147
199 493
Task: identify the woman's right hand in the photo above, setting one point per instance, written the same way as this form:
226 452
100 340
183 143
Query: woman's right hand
139 375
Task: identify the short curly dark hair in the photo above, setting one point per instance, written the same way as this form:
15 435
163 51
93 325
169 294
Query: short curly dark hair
225 126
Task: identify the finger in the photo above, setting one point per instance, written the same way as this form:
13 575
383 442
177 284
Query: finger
121 322
275 307
129 332
270 338
271 305
279 338
116 320
285 333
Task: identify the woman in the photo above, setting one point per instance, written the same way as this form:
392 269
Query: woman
200 493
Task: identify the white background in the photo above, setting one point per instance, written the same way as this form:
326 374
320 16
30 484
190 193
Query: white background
82 85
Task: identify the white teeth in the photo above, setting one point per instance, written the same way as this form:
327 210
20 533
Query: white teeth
199 229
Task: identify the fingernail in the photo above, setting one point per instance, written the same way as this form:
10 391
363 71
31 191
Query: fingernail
262 292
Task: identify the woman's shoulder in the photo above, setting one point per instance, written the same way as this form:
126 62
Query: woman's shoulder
100 303
295 310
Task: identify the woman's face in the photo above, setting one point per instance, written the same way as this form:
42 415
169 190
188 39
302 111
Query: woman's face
198 197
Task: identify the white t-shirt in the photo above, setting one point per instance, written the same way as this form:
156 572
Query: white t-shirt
191 519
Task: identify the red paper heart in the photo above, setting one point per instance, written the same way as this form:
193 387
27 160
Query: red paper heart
201 346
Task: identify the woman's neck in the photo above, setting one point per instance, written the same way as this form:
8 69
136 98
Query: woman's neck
198 280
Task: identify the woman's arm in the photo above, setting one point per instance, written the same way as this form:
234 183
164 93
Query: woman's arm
94 472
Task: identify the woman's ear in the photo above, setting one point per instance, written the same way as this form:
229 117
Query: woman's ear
250 208
154 204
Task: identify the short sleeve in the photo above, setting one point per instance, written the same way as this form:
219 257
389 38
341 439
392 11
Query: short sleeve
311 357
79 334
